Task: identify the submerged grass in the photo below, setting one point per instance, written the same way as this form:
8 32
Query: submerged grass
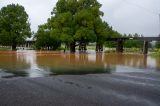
79 70
4 48
156 53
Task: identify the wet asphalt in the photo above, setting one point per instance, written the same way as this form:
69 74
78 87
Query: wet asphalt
117 89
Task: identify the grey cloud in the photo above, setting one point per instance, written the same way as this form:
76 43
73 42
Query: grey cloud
136 16
126 16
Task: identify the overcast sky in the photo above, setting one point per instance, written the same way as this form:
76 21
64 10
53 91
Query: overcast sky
125 16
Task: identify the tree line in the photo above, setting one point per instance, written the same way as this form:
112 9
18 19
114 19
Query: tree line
72 23
128 43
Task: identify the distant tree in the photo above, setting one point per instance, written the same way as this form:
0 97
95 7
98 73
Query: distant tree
133 43
110 44
125 35
157 44
45 39
14 25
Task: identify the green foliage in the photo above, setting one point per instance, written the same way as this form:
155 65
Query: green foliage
75 22
100 30
14 25
84 35
45 38
133 50
4 38
156 53
4 48
78 21
111 44
111 34
133 43
157 44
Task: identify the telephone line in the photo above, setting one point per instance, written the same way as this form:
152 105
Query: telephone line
146 9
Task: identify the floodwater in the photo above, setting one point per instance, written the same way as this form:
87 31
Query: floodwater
47 63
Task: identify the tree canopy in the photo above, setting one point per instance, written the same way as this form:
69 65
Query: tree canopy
44 38
14 25
77 22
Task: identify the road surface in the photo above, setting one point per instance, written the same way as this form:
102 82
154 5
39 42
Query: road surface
117 89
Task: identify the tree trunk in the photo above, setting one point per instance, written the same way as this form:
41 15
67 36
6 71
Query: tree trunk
96 47
145 47
80 47
99 47
14 44
85 47
14 47
72 47
120 46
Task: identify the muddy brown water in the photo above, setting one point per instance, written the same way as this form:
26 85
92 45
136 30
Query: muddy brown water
46 63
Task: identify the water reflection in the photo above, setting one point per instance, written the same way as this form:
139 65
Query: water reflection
70 63
12 62
131 60
40 64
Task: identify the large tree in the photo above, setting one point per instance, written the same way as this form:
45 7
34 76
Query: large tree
14 25
78 22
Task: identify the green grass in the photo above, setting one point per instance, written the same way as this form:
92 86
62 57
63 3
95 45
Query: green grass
4 48
126 50
91 47
155 53
133 50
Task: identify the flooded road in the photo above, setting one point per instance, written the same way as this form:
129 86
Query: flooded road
46 63
55 78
